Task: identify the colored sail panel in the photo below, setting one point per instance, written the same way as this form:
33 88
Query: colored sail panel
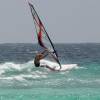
43 37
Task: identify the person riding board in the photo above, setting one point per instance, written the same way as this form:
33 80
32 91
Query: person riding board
40 56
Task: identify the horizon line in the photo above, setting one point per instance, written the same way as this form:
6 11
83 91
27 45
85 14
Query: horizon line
54 43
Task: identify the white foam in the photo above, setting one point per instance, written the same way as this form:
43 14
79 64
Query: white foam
9 65
27 70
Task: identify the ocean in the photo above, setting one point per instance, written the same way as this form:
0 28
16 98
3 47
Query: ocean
21 80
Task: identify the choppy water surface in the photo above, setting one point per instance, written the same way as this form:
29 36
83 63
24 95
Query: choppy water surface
20 80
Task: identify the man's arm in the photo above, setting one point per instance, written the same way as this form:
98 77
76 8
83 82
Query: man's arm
45 53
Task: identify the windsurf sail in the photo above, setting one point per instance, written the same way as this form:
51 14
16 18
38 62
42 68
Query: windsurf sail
43 37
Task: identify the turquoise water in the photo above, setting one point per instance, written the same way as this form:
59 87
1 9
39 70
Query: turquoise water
48 94
20 80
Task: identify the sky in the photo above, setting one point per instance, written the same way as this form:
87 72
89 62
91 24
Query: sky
66 21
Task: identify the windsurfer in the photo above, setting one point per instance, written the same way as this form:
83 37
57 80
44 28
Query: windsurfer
43 37
41 56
